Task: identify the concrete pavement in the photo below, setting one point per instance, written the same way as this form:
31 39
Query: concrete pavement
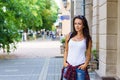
33 49
34 60
30 69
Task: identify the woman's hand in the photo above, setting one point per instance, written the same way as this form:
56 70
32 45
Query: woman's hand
65 64
83 67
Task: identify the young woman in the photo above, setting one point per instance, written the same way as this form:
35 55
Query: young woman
77 50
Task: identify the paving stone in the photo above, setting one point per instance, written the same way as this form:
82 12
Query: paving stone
21 69
33 69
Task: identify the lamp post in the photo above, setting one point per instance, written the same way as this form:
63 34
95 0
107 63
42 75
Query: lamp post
64 3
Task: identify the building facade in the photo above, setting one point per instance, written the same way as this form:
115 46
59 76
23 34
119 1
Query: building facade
104 21
65 16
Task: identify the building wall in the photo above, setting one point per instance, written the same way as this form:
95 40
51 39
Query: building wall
104 21
72 13
107 37
95 24
78 7
66 26
118 46
88 13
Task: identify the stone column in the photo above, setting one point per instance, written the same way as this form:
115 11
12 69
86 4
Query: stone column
95 25
78 7
72 13
107 37
89 13
118 46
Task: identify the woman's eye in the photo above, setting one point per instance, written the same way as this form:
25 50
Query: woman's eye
75 23
79 23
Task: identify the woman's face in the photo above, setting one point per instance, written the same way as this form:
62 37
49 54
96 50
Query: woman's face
78 24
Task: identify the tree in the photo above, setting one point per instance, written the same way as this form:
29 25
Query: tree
49 14
9 32
18 15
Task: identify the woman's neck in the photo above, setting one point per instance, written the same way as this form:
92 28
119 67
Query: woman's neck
80 33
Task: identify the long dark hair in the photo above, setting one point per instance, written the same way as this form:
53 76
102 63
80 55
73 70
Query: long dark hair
86 33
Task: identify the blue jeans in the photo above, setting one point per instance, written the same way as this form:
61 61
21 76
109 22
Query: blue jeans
80 74
65 69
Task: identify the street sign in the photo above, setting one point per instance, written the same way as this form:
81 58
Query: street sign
65 17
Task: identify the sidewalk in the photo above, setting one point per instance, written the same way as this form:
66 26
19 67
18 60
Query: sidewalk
33 69
34 60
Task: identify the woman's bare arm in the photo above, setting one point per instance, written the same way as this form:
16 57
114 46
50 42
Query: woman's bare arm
66 51
88 56
88 53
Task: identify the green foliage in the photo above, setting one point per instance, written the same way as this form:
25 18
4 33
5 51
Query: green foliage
22 15
63 40
8 31
49 15
53 28
94 52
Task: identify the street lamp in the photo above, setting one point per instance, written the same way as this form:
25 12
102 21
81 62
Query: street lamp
64 3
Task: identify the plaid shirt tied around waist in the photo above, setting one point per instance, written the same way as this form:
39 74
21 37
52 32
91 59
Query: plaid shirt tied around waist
71 73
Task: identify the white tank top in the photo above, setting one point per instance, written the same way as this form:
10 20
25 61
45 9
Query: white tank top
76 52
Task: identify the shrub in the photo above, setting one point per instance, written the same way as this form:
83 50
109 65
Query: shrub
63 40
94 52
